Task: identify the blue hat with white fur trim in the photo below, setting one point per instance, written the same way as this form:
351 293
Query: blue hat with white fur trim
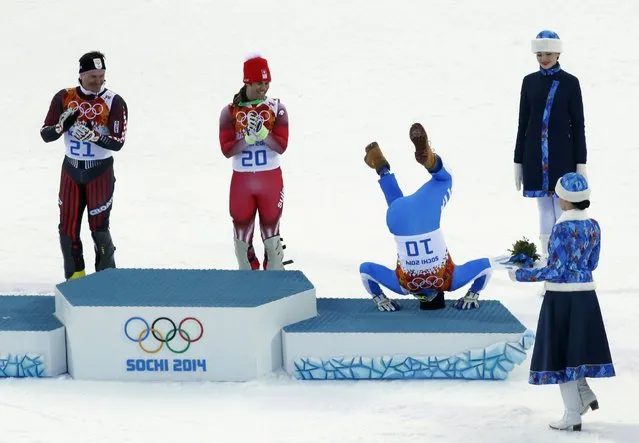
573 187
547 41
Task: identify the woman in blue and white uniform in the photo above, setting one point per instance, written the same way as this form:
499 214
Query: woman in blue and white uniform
571 342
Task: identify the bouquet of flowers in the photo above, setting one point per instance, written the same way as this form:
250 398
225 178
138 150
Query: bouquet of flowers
523 253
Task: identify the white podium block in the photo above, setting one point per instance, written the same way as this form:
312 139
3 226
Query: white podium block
149 324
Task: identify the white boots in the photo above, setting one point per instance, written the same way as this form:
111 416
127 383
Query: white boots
241 253
588 398
274 260
274 253
578 398
571 421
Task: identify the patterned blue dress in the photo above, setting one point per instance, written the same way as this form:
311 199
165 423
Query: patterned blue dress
571 338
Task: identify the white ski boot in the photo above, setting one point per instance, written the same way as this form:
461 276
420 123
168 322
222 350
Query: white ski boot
274 253
241 253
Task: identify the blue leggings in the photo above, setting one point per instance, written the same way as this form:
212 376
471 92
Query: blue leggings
374 275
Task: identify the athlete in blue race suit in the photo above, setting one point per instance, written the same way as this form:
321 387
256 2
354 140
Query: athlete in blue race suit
425 268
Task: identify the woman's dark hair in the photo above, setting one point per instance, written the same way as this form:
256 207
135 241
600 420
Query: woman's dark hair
240 96
582 204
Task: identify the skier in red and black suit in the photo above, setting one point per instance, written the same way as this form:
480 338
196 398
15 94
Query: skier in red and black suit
93 121
254 133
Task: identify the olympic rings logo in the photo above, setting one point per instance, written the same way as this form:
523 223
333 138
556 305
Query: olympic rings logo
86 109
166 338
430 282
242 117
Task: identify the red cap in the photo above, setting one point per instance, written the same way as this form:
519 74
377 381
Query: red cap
256 70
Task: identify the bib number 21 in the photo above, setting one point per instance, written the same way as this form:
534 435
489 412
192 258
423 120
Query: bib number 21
82 149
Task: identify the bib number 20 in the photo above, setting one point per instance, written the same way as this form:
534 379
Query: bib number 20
81 149
254 158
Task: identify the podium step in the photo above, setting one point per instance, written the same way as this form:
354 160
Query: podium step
351 339
180 324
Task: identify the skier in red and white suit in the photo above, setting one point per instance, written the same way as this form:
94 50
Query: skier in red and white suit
254 133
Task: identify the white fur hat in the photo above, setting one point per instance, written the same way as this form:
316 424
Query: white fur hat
547 41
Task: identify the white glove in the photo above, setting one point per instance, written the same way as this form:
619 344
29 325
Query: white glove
581 170
256 127
83 133
512 273
519 176
468 301
385 304
67 118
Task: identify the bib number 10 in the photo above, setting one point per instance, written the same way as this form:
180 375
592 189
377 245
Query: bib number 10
413 248
254 158
81 149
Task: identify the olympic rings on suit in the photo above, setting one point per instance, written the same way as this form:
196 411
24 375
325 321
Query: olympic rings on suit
419 283
173 331
242 116
87 109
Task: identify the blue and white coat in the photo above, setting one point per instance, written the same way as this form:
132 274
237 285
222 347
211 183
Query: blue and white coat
571 341
573 253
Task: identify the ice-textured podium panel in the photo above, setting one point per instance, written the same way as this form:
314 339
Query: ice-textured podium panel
21 365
